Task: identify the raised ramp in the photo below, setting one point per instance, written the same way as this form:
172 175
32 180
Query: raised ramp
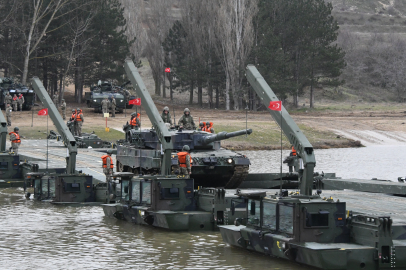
375 186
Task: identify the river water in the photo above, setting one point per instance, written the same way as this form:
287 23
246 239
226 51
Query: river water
37 235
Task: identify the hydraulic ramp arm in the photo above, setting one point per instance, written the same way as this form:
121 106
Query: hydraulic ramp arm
290 129
67 136
157 123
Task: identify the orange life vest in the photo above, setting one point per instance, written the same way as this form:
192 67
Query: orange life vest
204 126
20 97
104 158
209 128
182 159
15 98
293 151
133 121
73 116
17 140
78 118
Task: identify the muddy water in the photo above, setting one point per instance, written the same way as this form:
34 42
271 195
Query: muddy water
382 161
42 236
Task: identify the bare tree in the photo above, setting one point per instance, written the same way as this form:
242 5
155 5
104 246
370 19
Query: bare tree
41 12
235 35
135 30
157 18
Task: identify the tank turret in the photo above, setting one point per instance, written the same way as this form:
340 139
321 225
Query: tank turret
224 135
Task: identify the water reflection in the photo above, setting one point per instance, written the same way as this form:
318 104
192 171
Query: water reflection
382 162
44 236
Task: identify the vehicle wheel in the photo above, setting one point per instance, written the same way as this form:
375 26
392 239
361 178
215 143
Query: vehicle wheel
120 167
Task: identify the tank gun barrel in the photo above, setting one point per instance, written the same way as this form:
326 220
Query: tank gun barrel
224 135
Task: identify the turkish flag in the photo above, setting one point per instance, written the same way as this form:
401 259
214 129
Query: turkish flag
43 112
275 105
167 70
136 102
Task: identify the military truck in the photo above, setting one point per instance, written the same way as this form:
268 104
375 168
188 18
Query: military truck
7 85
305 228
107 90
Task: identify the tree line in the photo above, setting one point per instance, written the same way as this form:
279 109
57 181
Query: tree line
207 45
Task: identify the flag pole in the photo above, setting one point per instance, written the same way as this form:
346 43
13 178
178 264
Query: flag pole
47 144
280 194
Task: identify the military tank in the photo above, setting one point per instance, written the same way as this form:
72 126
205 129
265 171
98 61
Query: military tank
8 85
213 165
107 90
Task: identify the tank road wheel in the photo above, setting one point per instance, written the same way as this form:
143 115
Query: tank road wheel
120 167
240 173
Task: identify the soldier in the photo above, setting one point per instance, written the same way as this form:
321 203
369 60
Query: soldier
8 114
63 108
135 121
108 165
201 127
166 116
55 100
14 102
105 105
79 121
21 101
185 161
209 127
186 121
71 122
113 107
15 140
8 99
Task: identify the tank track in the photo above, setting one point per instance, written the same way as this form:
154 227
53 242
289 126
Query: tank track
240 173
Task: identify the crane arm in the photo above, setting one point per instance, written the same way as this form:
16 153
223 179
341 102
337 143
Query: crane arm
290 129
56 118
154 116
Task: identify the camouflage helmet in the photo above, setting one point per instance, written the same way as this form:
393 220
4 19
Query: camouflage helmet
78 109
16 129
73 110
63 99
109 151
133 114
186 148
207 123
201 124
166 108
186 110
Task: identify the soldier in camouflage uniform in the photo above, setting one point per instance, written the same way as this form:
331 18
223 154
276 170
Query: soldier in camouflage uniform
105 106
21 101
8 99
14 102
8 114
113 107
63 108
186 121
79 121
15 140
108 165
166 116
184 161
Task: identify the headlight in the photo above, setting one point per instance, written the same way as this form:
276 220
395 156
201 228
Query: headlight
94 100
230 160
30 91
121 100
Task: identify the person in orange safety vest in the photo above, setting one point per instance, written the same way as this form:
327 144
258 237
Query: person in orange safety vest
108 164
209 127
15 140
79 120
135 122
293 152
185 161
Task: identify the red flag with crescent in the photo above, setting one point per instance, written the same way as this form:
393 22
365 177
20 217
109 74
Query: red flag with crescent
275 105
43 112
136 102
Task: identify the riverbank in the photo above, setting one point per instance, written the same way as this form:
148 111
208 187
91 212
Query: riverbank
371 124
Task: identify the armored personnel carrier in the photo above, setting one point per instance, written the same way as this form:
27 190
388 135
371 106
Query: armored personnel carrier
213 166
7 85
107 90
